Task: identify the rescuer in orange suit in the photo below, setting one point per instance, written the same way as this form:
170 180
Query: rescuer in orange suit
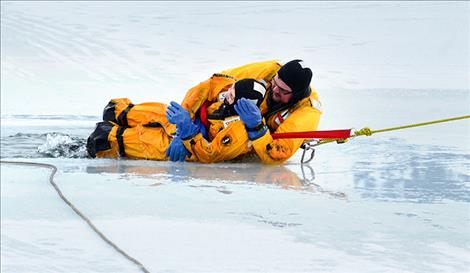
290 105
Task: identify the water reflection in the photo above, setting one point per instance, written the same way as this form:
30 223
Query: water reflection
234 173
413 173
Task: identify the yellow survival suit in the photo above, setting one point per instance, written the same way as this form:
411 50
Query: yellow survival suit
304 115
142 131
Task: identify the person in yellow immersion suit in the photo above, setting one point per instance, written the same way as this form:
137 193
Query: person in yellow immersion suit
142 131
290 105
227 138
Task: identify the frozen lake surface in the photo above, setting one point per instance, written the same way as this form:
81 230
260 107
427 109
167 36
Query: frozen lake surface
392 202
395 202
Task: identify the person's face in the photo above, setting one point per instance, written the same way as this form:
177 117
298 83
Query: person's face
230 95
281 92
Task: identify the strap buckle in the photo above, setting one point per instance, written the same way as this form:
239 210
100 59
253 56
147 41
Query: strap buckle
308 146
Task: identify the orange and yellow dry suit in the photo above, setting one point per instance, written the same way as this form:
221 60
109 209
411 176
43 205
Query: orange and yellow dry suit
228 140
138 131
142 130
302 116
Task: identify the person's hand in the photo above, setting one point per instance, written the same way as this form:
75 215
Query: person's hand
251 116
176 114
248 112
176 150
202 128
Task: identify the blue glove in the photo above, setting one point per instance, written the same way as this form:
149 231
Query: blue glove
248 112
251 116
176 114
202 128
176 151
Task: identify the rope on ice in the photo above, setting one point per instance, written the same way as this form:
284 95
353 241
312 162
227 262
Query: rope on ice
77 211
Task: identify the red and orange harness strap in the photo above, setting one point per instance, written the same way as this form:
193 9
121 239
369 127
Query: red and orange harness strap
344 133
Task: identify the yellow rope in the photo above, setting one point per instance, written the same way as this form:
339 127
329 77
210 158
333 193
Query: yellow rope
368 132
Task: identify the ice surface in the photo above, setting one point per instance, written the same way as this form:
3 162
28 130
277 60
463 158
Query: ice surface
71 57
392 202
41 234
183 218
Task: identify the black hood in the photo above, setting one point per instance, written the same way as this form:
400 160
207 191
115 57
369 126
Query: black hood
225 110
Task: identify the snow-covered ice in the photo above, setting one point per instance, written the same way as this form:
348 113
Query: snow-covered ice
392 202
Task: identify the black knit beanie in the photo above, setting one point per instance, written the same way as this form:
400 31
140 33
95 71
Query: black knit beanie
296 77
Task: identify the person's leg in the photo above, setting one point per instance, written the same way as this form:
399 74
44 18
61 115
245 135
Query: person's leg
113 141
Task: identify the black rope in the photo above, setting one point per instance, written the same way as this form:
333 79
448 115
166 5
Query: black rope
77 211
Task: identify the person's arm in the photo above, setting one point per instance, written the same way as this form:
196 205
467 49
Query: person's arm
228 144
260 70
210 89
274 151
